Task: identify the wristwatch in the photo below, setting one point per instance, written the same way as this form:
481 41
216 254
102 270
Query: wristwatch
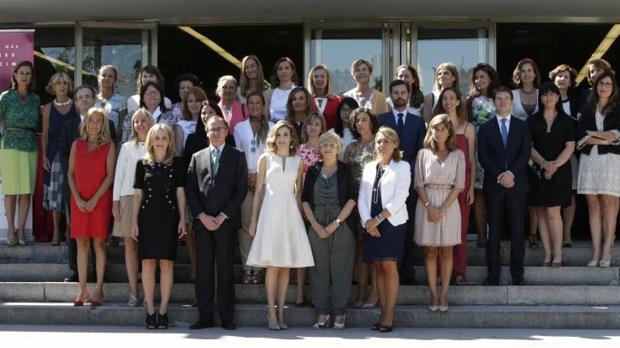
338 221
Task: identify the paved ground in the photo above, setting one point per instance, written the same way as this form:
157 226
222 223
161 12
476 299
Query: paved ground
24 336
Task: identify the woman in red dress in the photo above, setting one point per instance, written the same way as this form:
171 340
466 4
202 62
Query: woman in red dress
90 175
449 103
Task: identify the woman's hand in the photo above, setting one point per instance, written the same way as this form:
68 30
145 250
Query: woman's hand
182 229
116 211
251 182
371 224
374 232
91 204
252 229
332 227
134 232
46 164
470 195
434 214
320 231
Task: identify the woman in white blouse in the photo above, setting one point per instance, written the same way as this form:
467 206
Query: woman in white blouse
122 195
282 82
250 137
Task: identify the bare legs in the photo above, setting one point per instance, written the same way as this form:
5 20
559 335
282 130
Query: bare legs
387 289
166 268
568 216
276 285
445 257
301 281
610 214
83 247
23 202
595 215
533 217
551 233
363 271
131 264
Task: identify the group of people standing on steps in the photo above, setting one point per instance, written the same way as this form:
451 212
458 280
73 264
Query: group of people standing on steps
341 186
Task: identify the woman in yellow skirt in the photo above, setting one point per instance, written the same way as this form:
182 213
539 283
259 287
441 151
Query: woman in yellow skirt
20 111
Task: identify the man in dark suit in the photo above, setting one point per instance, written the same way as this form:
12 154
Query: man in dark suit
84 98
504 148
411 131
216 187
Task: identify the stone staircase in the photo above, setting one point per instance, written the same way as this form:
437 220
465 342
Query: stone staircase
573 296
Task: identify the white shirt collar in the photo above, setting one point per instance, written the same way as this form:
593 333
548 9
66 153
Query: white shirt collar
82 117
396 112
220 148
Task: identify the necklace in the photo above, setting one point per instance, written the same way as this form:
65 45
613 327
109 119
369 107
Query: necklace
65 103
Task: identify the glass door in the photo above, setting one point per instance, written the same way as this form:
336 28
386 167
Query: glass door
339 47
127 46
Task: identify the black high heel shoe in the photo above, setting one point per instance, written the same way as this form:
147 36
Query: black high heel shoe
162 321
151 321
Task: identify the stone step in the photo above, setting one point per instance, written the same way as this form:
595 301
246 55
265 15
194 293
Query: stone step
578 255
115 273
408 295
253 315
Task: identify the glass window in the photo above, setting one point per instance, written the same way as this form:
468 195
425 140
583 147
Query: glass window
459 46
119 47
338 48
54 51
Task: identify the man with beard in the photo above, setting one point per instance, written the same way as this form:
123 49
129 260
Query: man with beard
411 131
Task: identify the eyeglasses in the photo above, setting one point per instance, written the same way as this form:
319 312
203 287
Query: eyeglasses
217 129
253 143
328 145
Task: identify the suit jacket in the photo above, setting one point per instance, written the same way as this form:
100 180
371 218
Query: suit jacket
413 139
496 159
220 193
394 186
70 132
587 122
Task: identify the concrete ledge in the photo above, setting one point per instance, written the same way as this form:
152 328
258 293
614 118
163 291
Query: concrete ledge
548 317
408 295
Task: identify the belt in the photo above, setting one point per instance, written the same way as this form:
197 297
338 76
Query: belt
439 186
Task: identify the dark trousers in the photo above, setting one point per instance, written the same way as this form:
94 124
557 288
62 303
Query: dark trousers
405 269
215 247
505 209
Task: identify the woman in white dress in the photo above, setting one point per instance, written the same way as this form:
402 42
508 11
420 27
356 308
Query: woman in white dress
599 179
280 237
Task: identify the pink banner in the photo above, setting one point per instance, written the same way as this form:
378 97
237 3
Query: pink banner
15 46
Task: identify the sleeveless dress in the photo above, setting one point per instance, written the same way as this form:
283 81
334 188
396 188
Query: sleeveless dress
54 178
460 250
281 239
90 171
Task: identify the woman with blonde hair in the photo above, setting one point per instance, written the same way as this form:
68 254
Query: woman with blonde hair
446 75
158 218
363 93
381 203
55 114
123 194
325 101
90 177
439 179
280 237
112 103
251 79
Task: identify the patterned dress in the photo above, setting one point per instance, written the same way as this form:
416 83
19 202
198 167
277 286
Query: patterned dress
18 142
482 109
310 156
438 179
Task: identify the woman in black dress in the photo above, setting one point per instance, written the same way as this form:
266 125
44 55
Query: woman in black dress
381 203
159 217
553 143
